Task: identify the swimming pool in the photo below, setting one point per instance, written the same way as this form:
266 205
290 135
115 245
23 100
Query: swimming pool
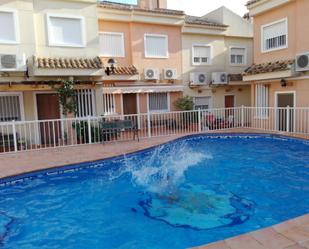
188 192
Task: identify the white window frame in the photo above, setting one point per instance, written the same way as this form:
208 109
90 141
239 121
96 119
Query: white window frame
49 32
110 104
263 50
210 101
166 44
159 111
81 96
123 53
16 26
201 63
245 56
260 113
21 102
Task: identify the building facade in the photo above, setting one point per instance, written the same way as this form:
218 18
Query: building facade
279 75
217 48
144 41
42 43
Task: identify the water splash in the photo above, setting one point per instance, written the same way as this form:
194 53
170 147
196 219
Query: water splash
164 168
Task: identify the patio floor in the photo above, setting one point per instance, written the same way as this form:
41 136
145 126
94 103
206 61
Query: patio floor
293 234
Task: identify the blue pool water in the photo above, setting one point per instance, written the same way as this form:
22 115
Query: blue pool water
185 193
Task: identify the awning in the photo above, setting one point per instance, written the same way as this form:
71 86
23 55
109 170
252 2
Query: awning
143 89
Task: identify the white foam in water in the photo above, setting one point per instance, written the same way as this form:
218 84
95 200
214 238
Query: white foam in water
165 168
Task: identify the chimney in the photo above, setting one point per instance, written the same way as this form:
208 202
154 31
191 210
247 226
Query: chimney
152 4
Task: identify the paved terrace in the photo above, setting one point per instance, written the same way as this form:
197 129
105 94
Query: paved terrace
293 234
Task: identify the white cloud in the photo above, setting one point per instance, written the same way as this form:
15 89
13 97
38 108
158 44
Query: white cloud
202 7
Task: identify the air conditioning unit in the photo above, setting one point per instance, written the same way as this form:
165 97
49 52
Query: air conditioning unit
12 62
198 78
151 74
302 62
170 74
219 78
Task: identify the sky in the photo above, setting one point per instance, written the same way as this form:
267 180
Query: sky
201 7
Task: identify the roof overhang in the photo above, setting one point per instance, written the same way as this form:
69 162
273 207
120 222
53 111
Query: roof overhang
121 77
117 15
265 5
202 29
143 89
270 76
37 72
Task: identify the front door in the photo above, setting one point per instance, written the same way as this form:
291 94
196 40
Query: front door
49 109
229 103
285 120
129 104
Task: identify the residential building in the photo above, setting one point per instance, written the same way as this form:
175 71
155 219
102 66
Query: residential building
217 48
42 42
145 42
280 73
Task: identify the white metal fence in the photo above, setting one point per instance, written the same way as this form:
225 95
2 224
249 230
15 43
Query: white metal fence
31 135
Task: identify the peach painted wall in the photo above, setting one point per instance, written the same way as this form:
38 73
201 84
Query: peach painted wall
301 87
119 27
134 45
298 35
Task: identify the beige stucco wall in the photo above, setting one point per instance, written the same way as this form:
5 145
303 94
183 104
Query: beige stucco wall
84 9
32 27
220 46
26 30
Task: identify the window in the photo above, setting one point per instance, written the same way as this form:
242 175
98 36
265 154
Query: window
112 44
201 55
156 46
261 100
158 102
8 26
85 103
66 31
11 107
109 104
275 35
202 103
237 56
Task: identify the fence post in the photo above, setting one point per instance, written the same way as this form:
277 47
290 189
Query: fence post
242 116
199 120
14 135
149 124
89 130
288 118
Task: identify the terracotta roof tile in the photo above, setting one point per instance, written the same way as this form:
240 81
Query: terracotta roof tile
203 21
131 7
235 77
252 2
269 67
69 63
128 70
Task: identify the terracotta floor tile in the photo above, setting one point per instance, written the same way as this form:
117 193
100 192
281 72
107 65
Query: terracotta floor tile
244 242
296 246
217 245
297 234
269 238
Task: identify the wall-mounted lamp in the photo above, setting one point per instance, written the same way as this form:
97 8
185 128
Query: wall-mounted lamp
283 82
111 66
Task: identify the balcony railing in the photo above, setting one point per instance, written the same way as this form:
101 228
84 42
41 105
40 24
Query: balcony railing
18 136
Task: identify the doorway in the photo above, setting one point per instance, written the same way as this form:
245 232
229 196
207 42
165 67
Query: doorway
283 100
229 104
48 108
129 104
